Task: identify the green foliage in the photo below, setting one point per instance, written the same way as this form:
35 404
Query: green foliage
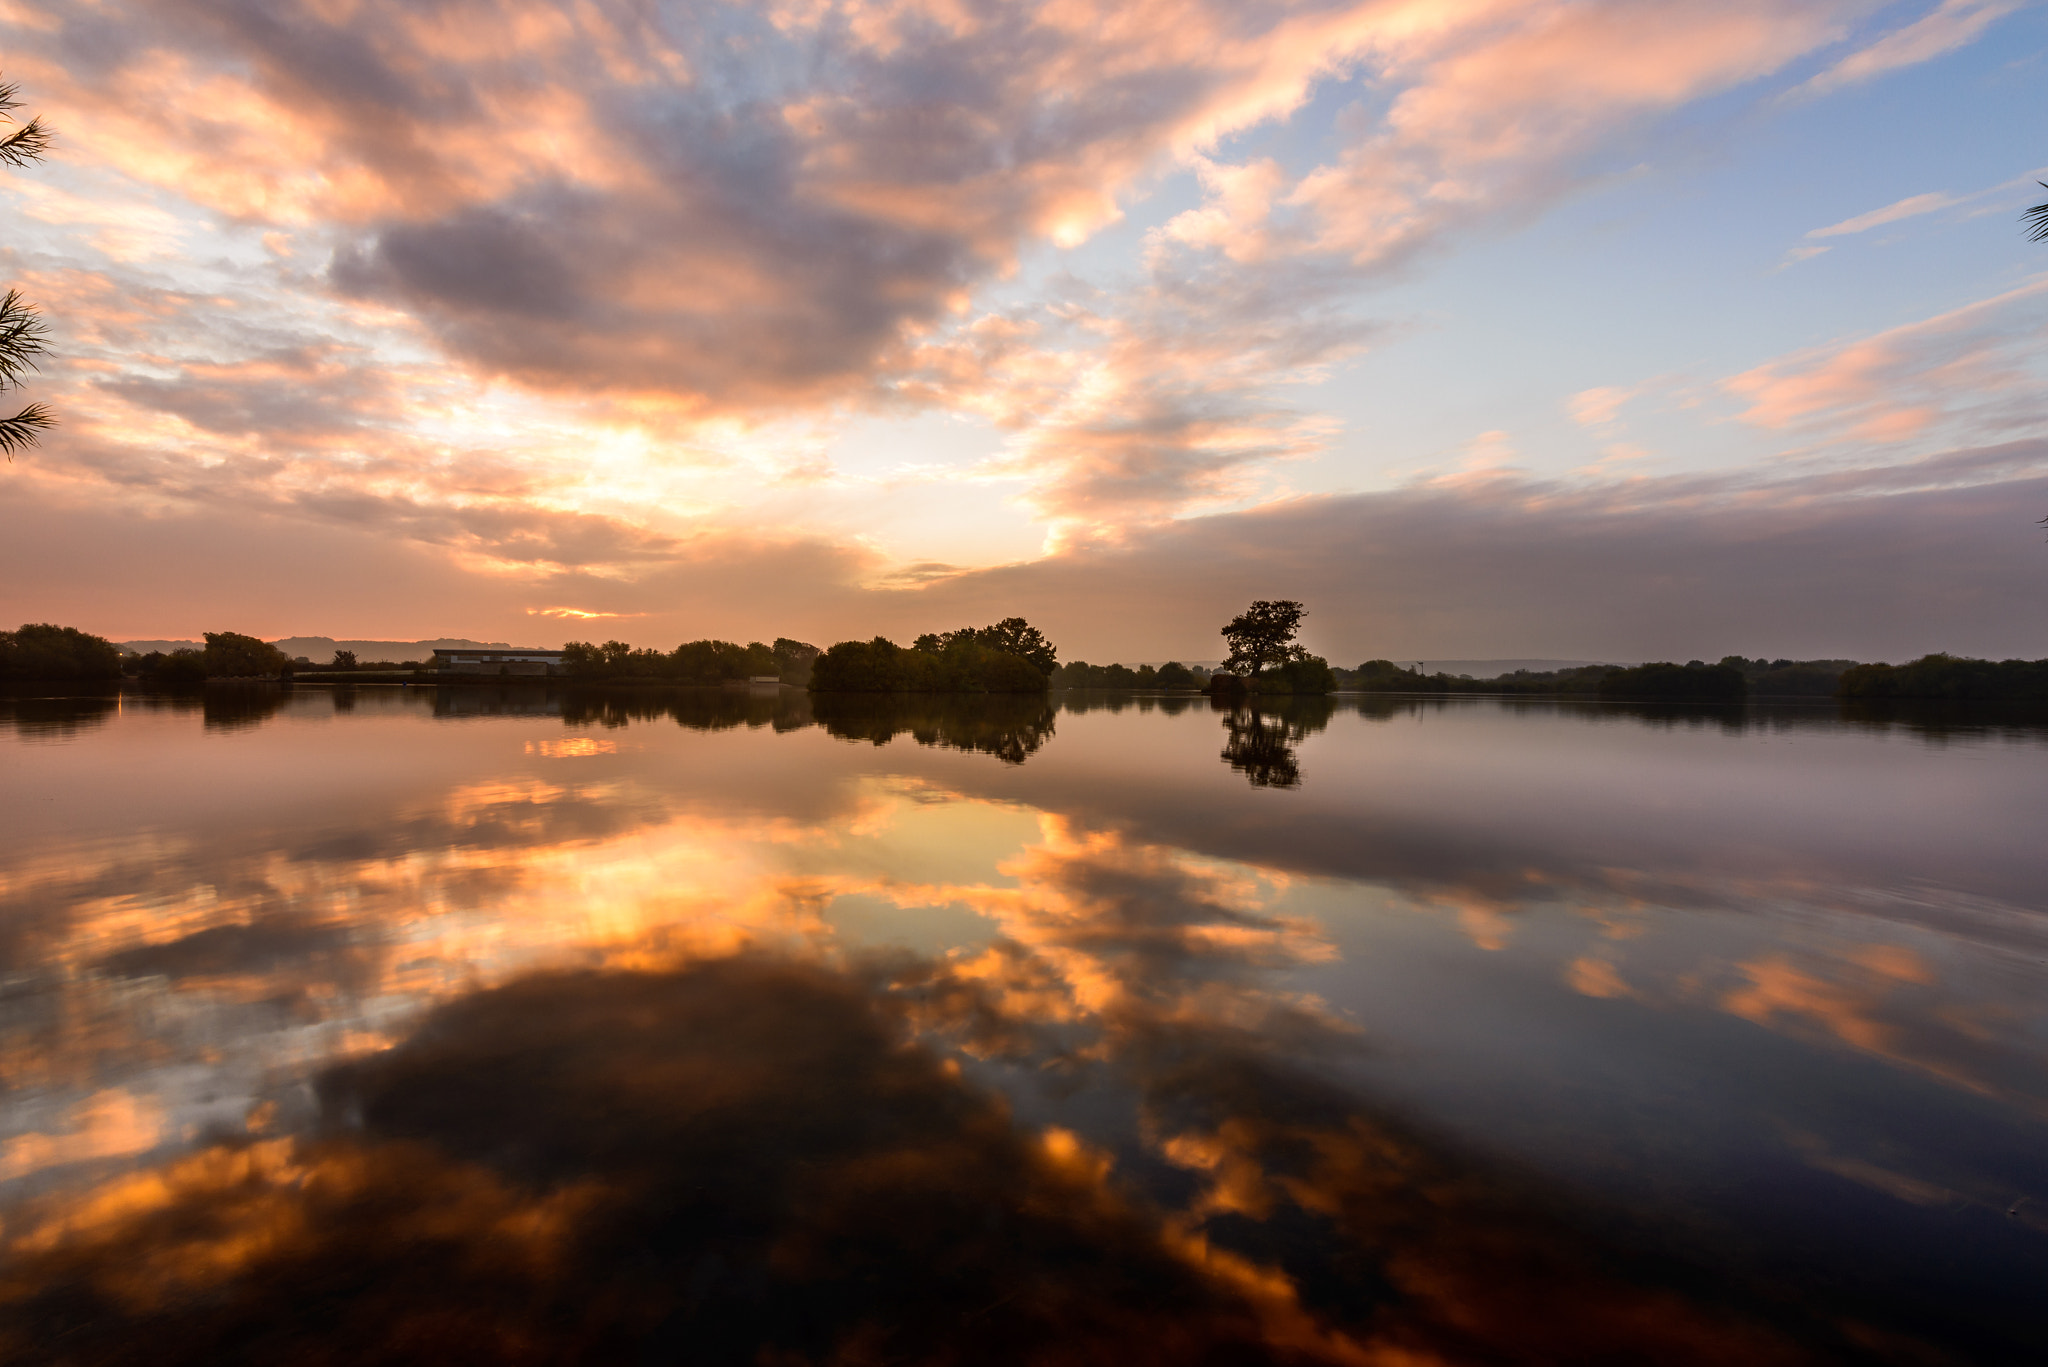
1692 681
43 651
1262 637
961 664
231 655
1949 676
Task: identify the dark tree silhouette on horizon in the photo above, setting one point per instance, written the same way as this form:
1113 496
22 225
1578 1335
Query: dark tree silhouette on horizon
23 334
1262 636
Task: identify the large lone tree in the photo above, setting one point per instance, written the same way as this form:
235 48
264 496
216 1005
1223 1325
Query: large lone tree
1262 636
23 335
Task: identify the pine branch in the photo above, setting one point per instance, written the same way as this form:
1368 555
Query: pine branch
23 337
20 432
2036 219
26 143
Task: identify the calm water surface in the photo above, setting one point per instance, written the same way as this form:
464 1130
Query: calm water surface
393 1025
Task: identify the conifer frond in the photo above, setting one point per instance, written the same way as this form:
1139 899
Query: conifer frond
20 432
23 337
26 143
2036 219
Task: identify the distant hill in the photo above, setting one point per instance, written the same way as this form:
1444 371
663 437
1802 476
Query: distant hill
320 649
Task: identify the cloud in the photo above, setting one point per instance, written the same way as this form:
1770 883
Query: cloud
1888 562
1890 213
1795 255
1499 117
1598 408
671 224
1964 373
1950 25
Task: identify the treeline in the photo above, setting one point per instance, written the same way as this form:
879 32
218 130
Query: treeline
1310 674
1171 677
228 655
1010 656
1734 678
962 665
43 651
1947 676
693 662
39 650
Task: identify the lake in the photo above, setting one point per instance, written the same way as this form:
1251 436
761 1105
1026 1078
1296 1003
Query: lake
534 1025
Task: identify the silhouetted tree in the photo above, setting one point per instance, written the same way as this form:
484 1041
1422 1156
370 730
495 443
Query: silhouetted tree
1262 636
233 655
23 335
1015 636
1011 636
2036 219
40 650
344 659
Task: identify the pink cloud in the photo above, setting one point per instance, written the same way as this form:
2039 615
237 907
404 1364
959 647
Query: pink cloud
1950 25
1969 365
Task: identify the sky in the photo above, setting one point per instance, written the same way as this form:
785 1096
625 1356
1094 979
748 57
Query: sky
1588 329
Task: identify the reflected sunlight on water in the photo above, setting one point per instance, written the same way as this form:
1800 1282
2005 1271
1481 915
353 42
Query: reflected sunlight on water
1379 1031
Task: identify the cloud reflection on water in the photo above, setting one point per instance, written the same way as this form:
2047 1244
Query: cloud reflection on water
1150 972
750 1160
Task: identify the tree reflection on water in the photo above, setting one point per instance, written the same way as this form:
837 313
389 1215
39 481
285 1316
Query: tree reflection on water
1264 732
1010 726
